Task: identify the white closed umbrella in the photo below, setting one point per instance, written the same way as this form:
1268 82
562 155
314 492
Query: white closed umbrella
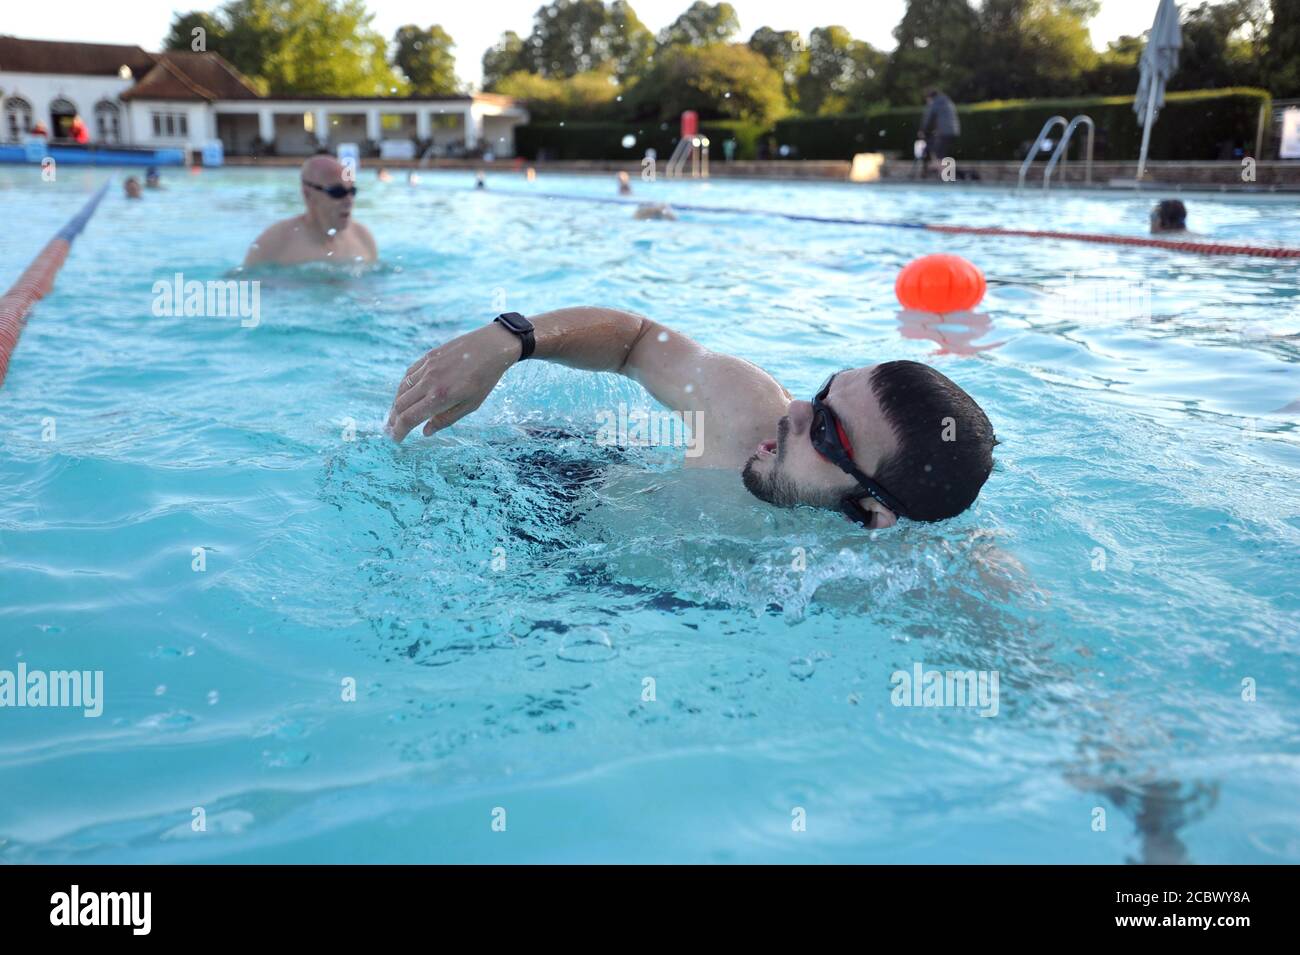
1158 63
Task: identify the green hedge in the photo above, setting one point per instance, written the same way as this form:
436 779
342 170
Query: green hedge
1191 126
604 140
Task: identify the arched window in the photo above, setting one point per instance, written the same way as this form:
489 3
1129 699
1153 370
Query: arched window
62 111
108 122
18 117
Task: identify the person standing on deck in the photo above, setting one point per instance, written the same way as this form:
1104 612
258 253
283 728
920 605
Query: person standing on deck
939 125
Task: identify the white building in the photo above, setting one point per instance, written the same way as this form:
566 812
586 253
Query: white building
129 97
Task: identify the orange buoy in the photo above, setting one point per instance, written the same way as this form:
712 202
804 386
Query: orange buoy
940 283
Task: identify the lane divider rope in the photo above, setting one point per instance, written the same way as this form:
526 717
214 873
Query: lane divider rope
37 280
1172 245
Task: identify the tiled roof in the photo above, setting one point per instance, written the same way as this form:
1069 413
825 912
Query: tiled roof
180 75
169 75
58 56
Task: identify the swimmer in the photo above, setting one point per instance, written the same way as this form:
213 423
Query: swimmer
531 174
383 175
1169 215
624 184
654 210
325 232
412 178
132 188
892 440
479 181
151 178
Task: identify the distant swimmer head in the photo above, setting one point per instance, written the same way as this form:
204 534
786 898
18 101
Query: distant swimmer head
624 184
383 175
480 181
327 191
151 177
893 440
132 188
1169 215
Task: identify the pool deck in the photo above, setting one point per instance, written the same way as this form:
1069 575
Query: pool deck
1269 175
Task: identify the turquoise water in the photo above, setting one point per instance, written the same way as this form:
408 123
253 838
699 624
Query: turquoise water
501 593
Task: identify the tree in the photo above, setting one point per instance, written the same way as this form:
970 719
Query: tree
575 36
426 60
1282 57
1029 48
702 24
785 50
1215 53
505 57
936 47
1116 70
280 45
182 37
586 96
841 73
721 81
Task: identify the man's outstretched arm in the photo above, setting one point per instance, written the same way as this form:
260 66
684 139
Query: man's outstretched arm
454 379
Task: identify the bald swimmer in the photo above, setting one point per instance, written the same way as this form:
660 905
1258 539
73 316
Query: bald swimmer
325 232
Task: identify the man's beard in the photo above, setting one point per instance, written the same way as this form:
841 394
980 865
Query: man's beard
774 487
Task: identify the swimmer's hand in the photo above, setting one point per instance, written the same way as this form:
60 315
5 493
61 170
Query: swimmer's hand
452 380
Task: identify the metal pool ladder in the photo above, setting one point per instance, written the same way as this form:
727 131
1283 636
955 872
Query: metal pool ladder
1061 147
1065 144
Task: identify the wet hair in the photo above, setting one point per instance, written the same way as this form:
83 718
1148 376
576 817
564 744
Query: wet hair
945 441
1171 214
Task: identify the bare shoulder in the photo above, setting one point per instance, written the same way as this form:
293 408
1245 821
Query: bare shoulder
271 240
367 239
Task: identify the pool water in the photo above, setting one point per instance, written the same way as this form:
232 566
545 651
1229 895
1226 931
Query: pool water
564 651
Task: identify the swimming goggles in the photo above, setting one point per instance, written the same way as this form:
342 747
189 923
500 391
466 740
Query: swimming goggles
832 443
334 192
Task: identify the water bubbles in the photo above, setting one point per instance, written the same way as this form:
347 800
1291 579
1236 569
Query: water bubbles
629 140
587 645
213 697
159 690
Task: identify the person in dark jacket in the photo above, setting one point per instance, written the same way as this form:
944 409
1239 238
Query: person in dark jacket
939 125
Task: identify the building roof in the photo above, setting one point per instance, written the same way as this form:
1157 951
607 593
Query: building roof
174 74
59 56
183 75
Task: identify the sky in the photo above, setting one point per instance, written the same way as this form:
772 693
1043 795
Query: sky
476 26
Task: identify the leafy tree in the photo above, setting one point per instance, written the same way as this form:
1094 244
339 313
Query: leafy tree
1029 48
1116 70
1282 56
702 24
181 36
586 96
575 36
426 60
280 44
936 47
1215 53
785 50
507 56
841 74
720 81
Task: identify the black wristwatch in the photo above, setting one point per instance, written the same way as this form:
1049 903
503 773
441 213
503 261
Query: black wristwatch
522 327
